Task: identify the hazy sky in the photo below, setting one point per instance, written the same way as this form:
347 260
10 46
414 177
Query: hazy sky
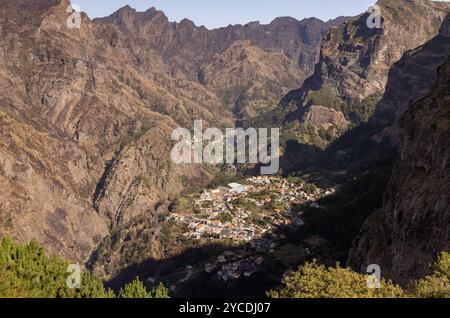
217 13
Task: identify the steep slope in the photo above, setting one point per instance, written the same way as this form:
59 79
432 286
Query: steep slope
250 77
410 79
86 114
355 60
414 224
183 50
84 140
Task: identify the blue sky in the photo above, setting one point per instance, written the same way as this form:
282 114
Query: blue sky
218 13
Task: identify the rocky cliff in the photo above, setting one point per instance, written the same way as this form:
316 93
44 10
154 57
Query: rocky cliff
409 80
414 224
250 65
85 140
355 60
86 114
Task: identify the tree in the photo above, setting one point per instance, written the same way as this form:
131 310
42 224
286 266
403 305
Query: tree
436 285
317 281
159 292
135 289
26 271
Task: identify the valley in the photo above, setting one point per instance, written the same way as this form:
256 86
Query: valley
87 118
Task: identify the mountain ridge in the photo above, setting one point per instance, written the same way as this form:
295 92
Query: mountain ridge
355 60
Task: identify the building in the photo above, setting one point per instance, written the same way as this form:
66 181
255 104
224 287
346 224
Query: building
236 188
200 228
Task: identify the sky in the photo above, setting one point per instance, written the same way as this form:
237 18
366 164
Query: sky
219 13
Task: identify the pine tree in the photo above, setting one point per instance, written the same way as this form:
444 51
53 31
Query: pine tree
135 289
26 271
159 292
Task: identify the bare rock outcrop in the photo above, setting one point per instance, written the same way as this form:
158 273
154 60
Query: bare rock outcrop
355 60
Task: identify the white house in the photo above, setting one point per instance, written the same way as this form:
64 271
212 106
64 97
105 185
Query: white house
236 188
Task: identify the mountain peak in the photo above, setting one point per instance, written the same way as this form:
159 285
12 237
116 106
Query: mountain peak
284 21
126 10
153 12
22 7
187 22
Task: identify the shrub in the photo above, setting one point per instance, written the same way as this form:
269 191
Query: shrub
317 281
436 285
325 97
135 289
159 292
27 272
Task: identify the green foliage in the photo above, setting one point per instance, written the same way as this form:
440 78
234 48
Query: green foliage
27 272
442 265
135 289
225 217
270 117
436 285
325 97
159 292
310 188
222 178
317 281
362 111
313 280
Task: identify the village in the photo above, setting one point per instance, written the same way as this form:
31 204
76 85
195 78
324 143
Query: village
248 214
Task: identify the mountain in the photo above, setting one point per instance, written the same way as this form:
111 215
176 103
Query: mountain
406 137
86 117
84 143
409 80
87 114
412 228
355 60
244 65
394 236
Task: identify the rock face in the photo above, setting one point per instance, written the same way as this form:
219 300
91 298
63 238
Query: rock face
355 59
410 79
86 114
84 141
325 118
245 65
414 224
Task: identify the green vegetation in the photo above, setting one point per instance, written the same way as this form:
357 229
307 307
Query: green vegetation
270 118
325 97
136 289
307 134
225 217
310 188
436 285
27 272
313 280
362 111
159 292
223 178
